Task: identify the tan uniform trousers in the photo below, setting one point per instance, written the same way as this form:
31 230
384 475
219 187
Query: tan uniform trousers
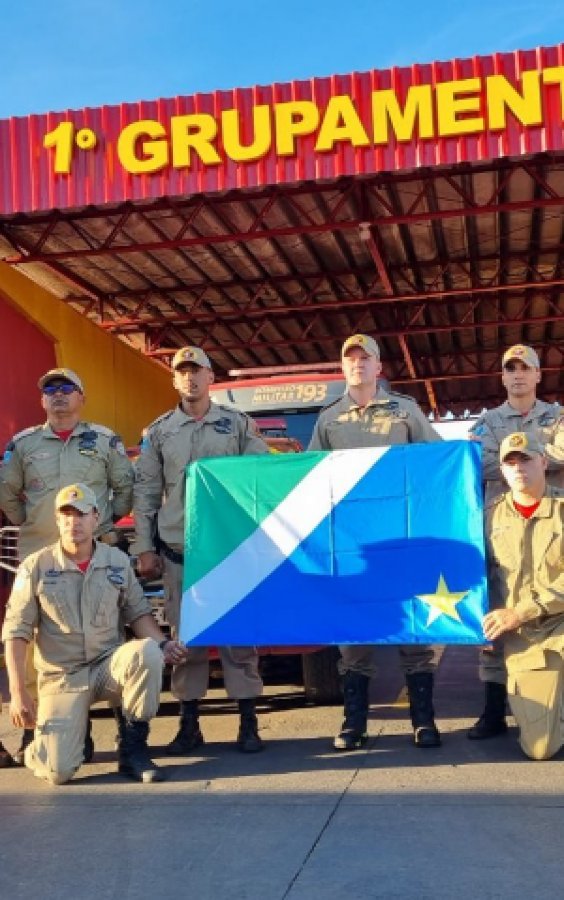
535 698
414 658
132 675
190 680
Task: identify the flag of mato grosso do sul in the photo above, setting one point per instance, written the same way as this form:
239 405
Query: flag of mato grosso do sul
381 545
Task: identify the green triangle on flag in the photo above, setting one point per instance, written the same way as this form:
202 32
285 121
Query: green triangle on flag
233 482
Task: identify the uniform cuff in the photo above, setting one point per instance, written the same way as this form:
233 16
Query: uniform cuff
527 610
12 634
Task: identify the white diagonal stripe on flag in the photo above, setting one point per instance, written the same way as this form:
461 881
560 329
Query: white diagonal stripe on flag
279 535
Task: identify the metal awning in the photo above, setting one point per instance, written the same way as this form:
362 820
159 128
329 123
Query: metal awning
445 264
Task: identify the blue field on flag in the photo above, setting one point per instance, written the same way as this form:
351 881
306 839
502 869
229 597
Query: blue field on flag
380 545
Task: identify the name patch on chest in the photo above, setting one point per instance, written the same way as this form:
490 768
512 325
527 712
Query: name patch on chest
223 426
115 576
87 443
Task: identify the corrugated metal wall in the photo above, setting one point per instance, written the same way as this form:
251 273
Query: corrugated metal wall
28 183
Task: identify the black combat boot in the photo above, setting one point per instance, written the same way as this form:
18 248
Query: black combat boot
248 739
6 759
492 721
189 735
353 735
133 754
88 743
120 720
26 740
420 693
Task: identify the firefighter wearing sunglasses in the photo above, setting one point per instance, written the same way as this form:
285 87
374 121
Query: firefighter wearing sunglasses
65 449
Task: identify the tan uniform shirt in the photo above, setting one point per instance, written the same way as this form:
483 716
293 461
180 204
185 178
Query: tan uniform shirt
37 464
76 619
172 442
388 419
546 420
526 573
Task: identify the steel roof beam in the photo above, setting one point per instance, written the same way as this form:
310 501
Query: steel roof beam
338 307
413 376
284 231
462 266
374 247
382 333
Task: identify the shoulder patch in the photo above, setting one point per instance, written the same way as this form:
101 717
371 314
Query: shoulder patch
8 450
116 443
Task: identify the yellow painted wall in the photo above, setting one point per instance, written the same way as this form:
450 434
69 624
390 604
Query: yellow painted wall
124 390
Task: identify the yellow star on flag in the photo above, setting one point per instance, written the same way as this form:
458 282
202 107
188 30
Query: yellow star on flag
442 602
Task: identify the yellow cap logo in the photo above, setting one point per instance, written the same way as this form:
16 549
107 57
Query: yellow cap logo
72 493
518 441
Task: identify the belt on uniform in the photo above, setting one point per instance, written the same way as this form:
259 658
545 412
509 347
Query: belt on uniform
171 554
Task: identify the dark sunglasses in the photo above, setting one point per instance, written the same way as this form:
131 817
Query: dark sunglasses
51 389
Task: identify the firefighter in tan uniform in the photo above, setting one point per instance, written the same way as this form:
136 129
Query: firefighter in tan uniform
72 598
367 416
522 411
41 460
195 429
525 543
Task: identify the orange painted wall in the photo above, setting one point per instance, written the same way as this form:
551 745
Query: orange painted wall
124 390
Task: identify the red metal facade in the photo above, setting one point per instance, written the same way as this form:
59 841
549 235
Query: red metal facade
27 353
27 181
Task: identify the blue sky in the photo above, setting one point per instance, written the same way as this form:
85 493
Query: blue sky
74 53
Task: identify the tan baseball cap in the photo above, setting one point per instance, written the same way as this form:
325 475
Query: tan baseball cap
79 496
191 355
64 375
519 442
523 353
361 340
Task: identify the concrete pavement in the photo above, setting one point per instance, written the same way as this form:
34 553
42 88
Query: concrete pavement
298 821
